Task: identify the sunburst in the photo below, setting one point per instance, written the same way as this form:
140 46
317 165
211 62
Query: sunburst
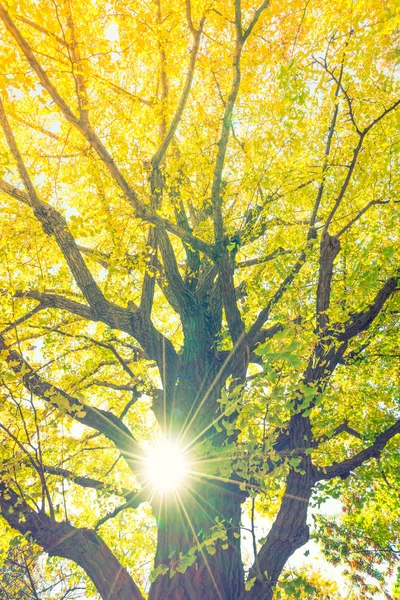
166 467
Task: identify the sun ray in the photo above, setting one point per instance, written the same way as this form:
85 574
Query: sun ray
194 493
199 547
211 387
194 403
208 427
164 384
115 580
201 475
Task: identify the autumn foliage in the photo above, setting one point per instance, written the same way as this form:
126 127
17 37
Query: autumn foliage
200 247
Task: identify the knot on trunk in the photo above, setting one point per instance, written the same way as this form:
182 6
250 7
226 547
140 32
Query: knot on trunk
330 248
302 536
50 219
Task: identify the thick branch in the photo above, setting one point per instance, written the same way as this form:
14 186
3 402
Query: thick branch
82 546
362 320
49 300
149 280
288 532
329 249
102 421
159 155
344 468
229 297
54 223
172 274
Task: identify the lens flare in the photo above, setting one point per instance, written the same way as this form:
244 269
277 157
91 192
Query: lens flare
166 467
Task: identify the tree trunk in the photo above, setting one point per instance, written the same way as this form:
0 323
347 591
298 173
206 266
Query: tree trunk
189 519
186 523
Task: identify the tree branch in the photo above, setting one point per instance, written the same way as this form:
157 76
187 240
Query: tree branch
113 386
255 19
79 545
155 345
338 81
329 249
381 116
24 318
49 300
344 468
142 210
133 497
265 334
86 482
226 127
346 182
102 421
362 320
359 215
343 428
59 39
331 132
172 274
54 223
80 83
353 163
264 313
263 259
149 280
159 155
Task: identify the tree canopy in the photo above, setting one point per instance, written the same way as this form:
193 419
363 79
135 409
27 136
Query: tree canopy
199 264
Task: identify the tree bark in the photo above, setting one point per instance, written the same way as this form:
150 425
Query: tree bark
83 546
185 524
188 518
288 533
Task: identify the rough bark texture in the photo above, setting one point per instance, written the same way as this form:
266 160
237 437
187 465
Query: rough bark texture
83 546
185 524
288 533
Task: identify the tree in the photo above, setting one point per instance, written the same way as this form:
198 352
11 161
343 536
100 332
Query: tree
199 216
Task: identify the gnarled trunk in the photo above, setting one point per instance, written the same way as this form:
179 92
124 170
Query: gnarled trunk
200 521
187 523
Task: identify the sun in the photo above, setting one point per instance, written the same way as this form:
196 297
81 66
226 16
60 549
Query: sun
166 467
